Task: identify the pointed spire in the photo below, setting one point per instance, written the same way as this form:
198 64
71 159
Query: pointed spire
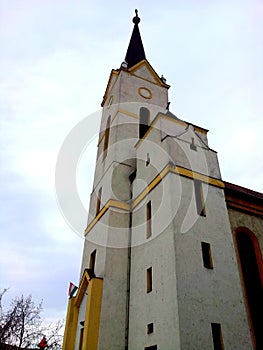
135 52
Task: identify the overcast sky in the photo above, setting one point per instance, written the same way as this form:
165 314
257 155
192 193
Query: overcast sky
55 61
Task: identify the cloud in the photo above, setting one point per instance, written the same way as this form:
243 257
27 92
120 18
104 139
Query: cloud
56 59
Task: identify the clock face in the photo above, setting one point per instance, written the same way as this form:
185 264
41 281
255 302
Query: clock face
110 101
144 92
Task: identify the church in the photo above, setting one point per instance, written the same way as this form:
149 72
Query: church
172 256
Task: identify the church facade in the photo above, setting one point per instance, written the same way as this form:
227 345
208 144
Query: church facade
173 254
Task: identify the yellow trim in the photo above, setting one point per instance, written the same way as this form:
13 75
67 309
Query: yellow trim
177 121
93 222
100 139
82 288
111 203
196 128
140 92
130 114
132 71
70 326
92 314
169 168
113 73
151 186
118 204
155 76
197 176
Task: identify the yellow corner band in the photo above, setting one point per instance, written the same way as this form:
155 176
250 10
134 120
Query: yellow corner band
169 168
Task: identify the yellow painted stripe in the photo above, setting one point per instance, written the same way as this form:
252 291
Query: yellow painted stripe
150 187
118 204
198 176
70 326
111 203
92 315
123 111
113 72
175 169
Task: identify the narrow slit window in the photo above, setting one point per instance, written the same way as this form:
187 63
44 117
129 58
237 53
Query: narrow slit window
132 177
199 198
144 121
207 257
148 219
149 328
147 159
149 280
217 336
98 205
106 138
92 260
152 347
81 338
192 145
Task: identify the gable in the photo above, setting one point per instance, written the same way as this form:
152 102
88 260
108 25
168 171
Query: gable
145 71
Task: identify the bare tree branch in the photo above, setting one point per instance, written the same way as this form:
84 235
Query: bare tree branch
21 325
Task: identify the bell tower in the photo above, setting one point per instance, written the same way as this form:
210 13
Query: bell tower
159 268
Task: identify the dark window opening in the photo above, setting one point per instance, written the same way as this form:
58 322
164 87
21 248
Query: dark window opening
149 280
192 145
144 121
147 160
207 257
217 336
149 328
106 138
132 177
92 260
98 205
199 198
252 282
148 219
81 338
153 347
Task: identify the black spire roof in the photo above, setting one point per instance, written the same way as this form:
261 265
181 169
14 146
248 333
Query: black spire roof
135 52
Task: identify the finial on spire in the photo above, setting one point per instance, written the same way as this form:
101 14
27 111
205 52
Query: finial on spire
135 52
136 19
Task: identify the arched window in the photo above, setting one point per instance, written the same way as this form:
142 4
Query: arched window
106 138
251 266
144 121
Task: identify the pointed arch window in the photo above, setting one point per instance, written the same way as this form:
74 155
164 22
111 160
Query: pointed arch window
106 138
144 121
252 272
